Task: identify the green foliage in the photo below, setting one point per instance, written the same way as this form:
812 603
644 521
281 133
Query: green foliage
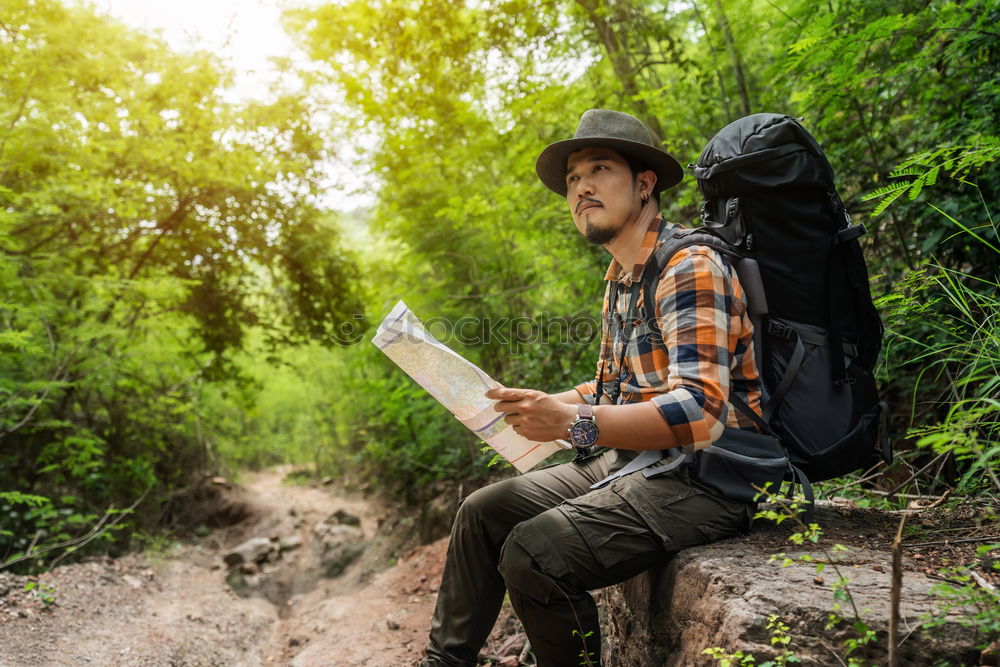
461 99
924 169
944 329
879 83
843 607
44 592
11 498
586 657
780 640
173 298
46 532
727 659
145 225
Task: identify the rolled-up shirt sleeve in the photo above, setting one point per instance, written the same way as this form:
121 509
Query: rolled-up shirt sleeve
696 311
587 391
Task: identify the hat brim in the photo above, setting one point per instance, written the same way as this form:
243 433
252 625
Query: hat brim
551 163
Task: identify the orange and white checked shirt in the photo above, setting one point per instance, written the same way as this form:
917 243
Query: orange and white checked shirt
704 352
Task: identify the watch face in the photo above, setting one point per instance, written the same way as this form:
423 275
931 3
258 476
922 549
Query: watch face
583 433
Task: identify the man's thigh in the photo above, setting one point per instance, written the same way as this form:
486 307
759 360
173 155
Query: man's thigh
504 504
607 535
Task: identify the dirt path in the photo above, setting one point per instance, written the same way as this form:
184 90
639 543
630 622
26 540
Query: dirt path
306 604
179 609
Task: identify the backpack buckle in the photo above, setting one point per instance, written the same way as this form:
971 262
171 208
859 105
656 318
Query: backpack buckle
781 330
732 209
850 233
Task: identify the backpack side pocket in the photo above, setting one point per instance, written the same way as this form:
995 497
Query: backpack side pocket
739 463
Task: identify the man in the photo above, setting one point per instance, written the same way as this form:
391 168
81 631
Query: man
549 536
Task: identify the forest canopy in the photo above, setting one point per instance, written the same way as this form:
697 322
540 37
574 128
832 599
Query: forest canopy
178 300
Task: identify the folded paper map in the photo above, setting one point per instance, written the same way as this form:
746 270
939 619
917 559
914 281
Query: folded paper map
458 385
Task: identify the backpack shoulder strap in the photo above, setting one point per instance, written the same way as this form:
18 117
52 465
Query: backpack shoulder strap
676 239
746 269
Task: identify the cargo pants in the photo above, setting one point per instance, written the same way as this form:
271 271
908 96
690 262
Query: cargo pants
547 539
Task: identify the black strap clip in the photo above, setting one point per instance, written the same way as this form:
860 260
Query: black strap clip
850 233
732 208
781 330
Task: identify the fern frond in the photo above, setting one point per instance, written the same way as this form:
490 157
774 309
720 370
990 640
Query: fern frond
924 169
887 201
908 172
885 190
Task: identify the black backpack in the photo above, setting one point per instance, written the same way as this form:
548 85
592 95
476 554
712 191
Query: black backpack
772 208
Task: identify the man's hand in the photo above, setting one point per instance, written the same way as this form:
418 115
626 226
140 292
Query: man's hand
537 416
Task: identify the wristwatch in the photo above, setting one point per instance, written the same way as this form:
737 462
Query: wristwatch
583 432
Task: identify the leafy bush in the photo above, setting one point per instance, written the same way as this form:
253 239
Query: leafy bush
146 224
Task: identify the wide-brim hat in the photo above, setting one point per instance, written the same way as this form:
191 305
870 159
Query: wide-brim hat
611 129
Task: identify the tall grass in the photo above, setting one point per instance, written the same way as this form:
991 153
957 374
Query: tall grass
943 323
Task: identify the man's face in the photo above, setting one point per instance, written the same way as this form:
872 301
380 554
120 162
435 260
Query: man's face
601 192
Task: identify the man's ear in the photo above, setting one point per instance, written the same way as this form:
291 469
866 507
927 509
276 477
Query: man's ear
646 181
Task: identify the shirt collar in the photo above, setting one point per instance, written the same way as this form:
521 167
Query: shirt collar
650 242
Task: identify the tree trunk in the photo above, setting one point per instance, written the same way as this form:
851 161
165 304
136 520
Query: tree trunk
616 46
715 62
734 57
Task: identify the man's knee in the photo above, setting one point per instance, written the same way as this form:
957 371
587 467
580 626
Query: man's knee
474 505
481 515
531 560
482 505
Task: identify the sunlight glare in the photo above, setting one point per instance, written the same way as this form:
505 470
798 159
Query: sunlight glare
246 34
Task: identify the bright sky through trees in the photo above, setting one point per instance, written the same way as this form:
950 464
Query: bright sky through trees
245 33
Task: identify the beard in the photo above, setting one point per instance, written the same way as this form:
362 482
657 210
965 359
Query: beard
600 235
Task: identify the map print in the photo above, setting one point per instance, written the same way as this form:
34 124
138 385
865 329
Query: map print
457 384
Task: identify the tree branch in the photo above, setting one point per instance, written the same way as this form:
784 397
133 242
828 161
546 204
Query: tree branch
18 115
83 540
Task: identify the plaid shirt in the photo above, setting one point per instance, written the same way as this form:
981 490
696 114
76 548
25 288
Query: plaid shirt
704 352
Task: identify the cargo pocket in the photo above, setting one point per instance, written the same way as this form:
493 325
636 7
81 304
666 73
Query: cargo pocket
532 541
670 505
609 525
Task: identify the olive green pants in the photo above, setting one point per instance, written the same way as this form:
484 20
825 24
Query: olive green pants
546 538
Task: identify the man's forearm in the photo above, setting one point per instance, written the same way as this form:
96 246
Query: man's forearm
632 426
636 426
543 417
